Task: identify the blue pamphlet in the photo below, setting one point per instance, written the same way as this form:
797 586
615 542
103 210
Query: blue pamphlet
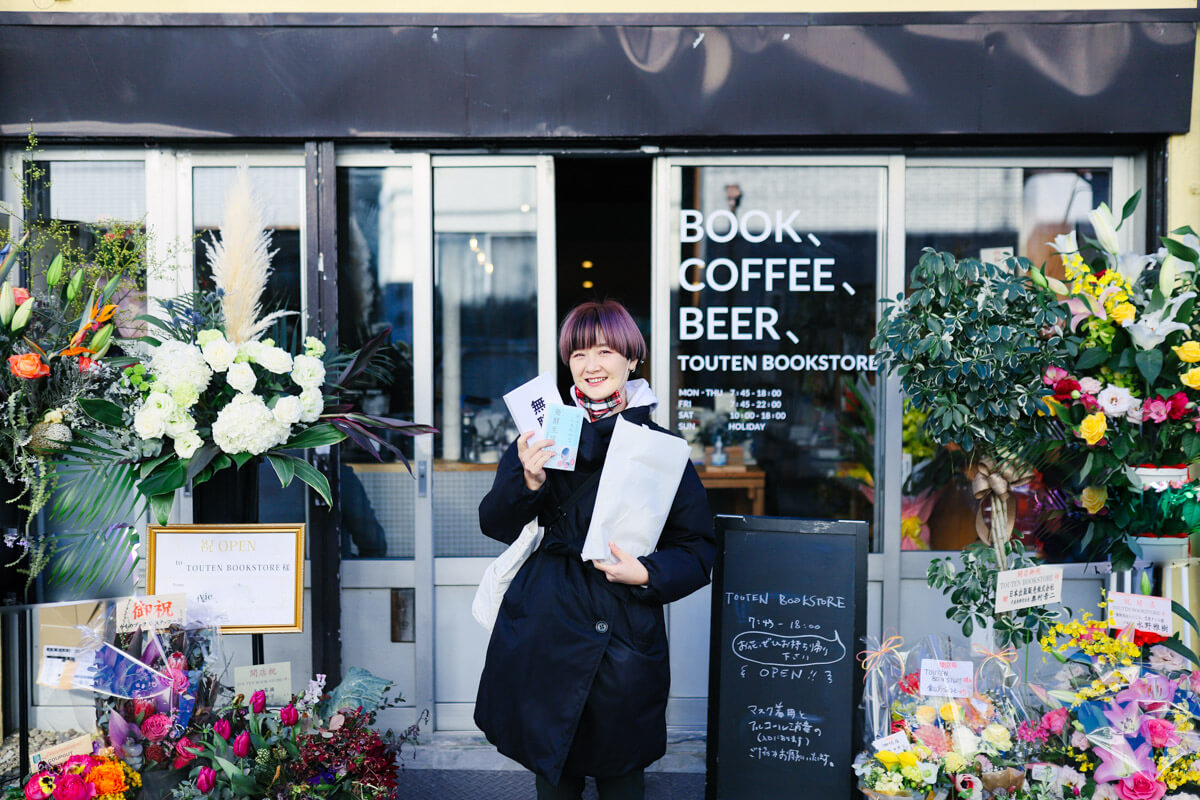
563 426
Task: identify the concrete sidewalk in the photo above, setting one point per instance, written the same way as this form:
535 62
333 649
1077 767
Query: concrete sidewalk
464 766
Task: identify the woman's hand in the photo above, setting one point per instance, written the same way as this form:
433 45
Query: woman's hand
627 569
533 459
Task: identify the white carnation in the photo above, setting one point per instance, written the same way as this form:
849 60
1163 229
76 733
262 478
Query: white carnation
179 423
184 395
314 346
219 354
287 409
251 351
246 425
186 444
275 359
312 403
241 377
149 423
174 363
308 372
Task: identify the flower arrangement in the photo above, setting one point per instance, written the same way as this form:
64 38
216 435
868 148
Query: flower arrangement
208 391
1128 383
313 747
101 776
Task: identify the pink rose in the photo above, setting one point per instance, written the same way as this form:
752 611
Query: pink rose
206 780
1159 732
221 728
1089 402
288 715
40 786
1178 403
1155 410
1054 721
72 787
1090 386
156 727
1053 375
185 752
258 701
1141 786
241 745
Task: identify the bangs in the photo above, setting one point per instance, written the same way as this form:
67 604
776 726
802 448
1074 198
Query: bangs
588 324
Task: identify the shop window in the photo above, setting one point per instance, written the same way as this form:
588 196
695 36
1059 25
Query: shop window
485 335
375 293
989 213
772 310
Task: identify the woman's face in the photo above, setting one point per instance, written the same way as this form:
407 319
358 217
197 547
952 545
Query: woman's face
600 371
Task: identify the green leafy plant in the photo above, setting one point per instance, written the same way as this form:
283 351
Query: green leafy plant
972 594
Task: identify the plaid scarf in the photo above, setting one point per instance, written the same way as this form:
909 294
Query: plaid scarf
597 409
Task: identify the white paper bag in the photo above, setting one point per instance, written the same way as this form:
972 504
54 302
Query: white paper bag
499 574
637 487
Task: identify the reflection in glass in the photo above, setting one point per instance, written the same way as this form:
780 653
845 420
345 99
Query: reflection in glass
989 214
279 192
774 308
485 326
375 292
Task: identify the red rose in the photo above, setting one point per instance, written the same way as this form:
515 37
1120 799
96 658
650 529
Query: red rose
143 710
185 752
1066 389
156 753
156 727
28 366
1178 405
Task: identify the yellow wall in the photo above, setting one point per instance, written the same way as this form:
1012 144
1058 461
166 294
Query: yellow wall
568 6
1183 166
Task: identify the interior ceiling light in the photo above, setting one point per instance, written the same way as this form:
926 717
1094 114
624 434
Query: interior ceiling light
481 257
474 243
489 268
588 284
587 265
525 208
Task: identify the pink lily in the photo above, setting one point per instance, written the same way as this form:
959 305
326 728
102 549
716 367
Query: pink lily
1152 692
1118 761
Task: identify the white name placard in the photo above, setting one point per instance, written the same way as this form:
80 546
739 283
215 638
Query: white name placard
1144 612
244 578
1024 588
895 742
947 678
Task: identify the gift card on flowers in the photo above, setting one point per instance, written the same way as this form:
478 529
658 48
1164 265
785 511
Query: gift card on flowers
947 678
563 426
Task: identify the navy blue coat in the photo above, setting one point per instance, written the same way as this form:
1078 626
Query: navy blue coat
577 675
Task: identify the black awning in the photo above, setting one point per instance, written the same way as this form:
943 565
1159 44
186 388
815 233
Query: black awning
884 77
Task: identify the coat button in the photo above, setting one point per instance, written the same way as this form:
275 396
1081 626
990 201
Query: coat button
601 627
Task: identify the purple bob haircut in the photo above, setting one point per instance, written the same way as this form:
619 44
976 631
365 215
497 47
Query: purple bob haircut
608 321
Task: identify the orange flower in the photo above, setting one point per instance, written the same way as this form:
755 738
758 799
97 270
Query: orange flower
28 366
20 295
108 778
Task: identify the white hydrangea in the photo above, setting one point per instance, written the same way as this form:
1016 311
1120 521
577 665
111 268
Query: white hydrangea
186 444
312 403
287 409
149 423
246 425
241 377
308 371
219 353
179 423
175 363
275 359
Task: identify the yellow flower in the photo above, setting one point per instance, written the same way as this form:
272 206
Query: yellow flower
950 712
954 762
887 758
1124 312
997 736
1191 378
908 758
926 715
1188 352
1093 498
1094 426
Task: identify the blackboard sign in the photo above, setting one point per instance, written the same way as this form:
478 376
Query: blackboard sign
788 616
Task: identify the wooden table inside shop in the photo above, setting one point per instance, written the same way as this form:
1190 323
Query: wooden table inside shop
750 482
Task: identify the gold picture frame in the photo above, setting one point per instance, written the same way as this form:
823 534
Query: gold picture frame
198 559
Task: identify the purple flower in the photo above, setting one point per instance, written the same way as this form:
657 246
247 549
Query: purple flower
1118 761
206 780
288 715
241 744
258 701
1151 692
1124 718
221 728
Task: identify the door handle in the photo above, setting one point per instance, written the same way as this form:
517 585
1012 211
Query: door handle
422 478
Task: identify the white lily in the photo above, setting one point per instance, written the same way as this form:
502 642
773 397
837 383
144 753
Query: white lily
1105 228
1154 327
1131 265
1064 243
